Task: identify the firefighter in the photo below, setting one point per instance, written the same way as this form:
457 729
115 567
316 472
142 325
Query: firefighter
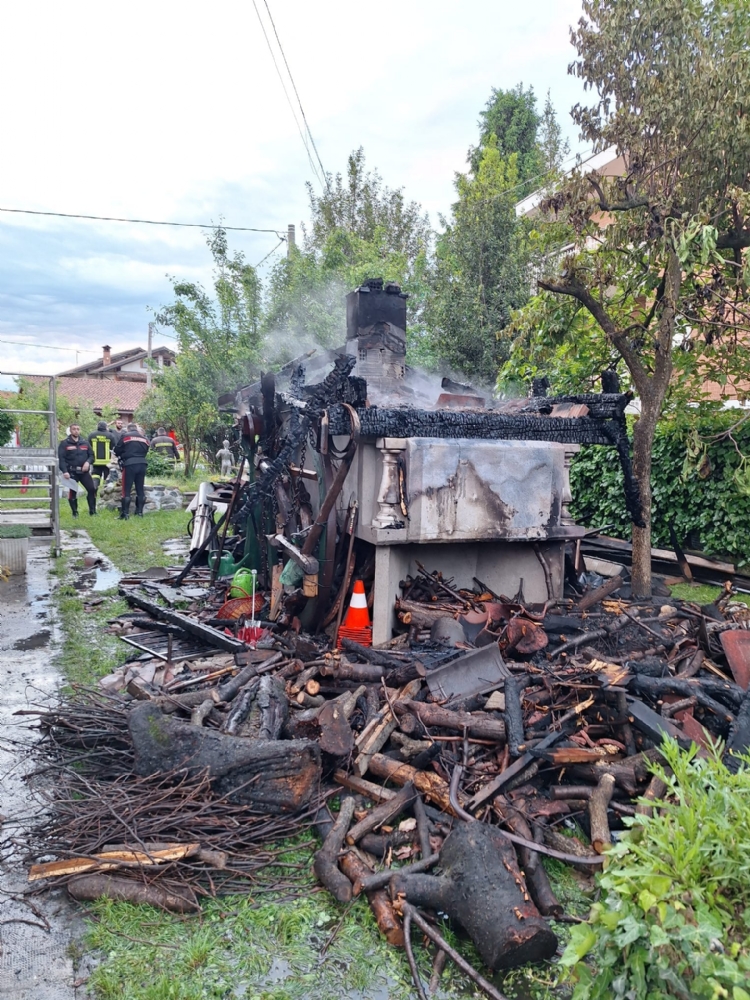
164 446
132 449
102 443
75 458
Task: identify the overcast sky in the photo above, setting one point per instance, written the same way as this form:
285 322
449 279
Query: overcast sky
173 111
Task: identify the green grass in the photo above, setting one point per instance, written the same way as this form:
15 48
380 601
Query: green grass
701 593
186 485
87 652
131 545
9 499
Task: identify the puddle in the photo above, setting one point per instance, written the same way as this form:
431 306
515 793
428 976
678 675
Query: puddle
98 578
35 641
105 579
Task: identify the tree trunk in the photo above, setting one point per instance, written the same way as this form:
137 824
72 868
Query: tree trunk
643 439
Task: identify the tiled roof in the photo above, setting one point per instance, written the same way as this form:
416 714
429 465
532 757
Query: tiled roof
99 392
117 360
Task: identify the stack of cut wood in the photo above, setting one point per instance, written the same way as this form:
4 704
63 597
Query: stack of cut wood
473 754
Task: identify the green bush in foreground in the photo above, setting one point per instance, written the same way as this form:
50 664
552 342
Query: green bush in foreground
675 917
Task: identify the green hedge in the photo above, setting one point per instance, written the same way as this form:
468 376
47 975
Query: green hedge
700 486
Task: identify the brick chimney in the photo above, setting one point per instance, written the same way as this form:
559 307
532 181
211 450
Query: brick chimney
106 355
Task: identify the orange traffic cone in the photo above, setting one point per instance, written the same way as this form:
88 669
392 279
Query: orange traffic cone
357 622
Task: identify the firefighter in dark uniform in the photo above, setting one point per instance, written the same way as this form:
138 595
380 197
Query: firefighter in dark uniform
102 443
164 446
132 449
75 459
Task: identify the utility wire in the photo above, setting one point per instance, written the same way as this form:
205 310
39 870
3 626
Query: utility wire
302 135
296 94
268 255
50 347
147 222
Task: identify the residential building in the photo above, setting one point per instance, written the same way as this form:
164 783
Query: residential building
130 365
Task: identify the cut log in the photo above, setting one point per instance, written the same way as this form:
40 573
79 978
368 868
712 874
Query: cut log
477 724
403 674
336 736
654 793
375 735
431 785
272 775
423 827
628 774
408 746
601 838
240 710
201 712
368 788
482 889
171 703
89 888
383 813
423 614
514 687
325 864
539 884
371 655
388 923
369 673
273 706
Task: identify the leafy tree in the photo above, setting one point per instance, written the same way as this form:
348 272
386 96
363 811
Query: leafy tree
7 424
34 428
219 347
359 228
510 121
666 281
482 270
552 147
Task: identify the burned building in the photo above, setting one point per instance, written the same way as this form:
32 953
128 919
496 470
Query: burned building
362 472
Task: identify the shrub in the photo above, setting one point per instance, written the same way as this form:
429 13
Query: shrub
674 921
700 485
157 466
14 531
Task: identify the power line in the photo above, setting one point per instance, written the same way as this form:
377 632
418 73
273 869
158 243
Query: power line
49 347
268 255
286 93
147 222
296 93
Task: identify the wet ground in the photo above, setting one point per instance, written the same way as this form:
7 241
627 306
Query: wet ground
36 963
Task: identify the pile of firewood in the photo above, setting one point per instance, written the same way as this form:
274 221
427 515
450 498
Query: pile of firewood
464 750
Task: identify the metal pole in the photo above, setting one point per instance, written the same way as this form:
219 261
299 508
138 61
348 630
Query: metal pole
150 344
55 505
